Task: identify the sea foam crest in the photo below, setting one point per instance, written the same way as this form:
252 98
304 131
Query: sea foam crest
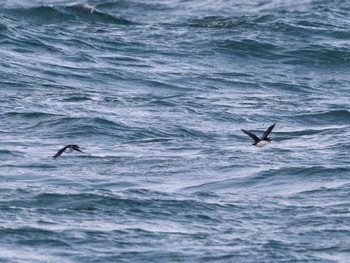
85 7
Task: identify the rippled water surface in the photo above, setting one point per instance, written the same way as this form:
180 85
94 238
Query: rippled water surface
156 93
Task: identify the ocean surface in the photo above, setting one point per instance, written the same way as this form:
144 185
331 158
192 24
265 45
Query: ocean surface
156 93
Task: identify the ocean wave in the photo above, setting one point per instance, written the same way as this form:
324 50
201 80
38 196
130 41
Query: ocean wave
26 121
10 154
49 125
318 55
84 126
217 22
28 115
249 48
327 117
277 181
315 47
44 15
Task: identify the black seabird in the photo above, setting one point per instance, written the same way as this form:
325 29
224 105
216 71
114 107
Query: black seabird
67 149
264 139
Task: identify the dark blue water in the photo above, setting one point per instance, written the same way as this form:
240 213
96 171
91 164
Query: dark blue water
156 94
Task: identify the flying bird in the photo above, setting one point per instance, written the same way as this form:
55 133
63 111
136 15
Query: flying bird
264 139
67 149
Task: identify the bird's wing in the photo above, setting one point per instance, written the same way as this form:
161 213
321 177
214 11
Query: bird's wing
252 135
268 131
76 147
60 152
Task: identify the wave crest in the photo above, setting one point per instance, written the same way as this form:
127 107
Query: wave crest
59 14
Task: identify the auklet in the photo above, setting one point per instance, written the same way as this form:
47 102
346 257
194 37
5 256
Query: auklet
67 149
264 139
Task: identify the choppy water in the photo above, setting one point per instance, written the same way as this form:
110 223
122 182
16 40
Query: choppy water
156 94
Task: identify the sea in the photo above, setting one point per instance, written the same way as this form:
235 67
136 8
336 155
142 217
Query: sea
155 93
